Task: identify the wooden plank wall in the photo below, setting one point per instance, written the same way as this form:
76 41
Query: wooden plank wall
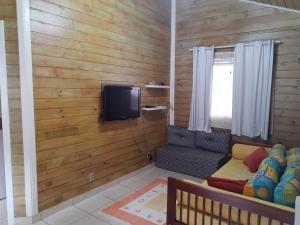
221 22
77 46
8 14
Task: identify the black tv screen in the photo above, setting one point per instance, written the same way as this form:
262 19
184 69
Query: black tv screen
120 102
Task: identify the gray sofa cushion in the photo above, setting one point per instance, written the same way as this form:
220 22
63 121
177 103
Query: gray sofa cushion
218 141
194 162
180 137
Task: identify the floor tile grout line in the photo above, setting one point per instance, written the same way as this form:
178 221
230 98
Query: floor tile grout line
122 221
74 220
78 219
115 200
99 218
44 222
117 182
140 177
138 187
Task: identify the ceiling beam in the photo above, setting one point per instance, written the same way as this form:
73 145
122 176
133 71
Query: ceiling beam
271 6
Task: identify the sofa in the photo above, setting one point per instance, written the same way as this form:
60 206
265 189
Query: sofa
261 212
196 154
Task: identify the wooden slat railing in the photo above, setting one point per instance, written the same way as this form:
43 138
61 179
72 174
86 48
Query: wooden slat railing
273 214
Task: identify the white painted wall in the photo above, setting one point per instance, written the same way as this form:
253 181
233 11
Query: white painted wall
6 129
172 62
28 122
2 167
297 217
2 172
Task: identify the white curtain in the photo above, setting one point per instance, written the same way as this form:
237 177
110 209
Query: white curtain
252 88
203 59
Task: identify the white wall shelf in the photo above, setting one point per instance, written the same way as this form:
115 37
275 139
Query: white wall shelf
157 86
158 107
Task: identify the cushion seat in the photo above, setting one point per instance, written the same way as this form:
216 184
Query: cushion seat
228 171
191 161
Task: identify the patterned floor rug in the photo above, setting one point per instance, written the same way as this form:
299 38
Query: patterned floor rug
147 206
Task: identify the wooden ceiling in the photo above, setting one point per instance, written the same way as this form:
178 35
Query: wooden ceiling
291 4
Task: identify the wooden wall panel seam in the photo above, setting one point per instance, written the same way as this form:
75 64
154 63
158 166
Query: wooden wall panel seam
77 47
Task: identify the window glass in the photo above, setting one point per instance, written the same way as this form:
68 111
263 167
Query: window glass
222 89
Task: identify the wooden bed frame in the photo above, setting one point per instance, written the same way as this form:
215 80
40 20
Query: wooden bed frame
281 216
251 207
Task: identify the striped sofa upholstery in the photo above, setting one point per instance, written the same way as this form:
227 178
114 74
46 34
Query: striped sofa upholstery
194 153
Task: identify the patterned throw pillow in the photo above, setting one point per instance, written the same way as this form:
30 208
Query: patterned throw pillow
278 152
292 156
289 187
262 185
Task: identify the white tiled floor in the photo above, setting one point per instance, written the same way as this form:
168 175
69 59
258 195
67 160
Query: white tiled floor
116 192
88 211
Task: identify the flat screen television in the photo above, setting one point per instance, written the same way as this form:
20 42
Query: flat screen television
120 102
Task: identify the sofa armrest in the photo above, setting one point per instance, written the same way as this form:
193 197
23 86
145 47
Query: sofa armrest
242 151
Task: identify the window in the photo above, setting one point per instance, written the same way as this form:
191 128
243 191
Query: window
222 89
